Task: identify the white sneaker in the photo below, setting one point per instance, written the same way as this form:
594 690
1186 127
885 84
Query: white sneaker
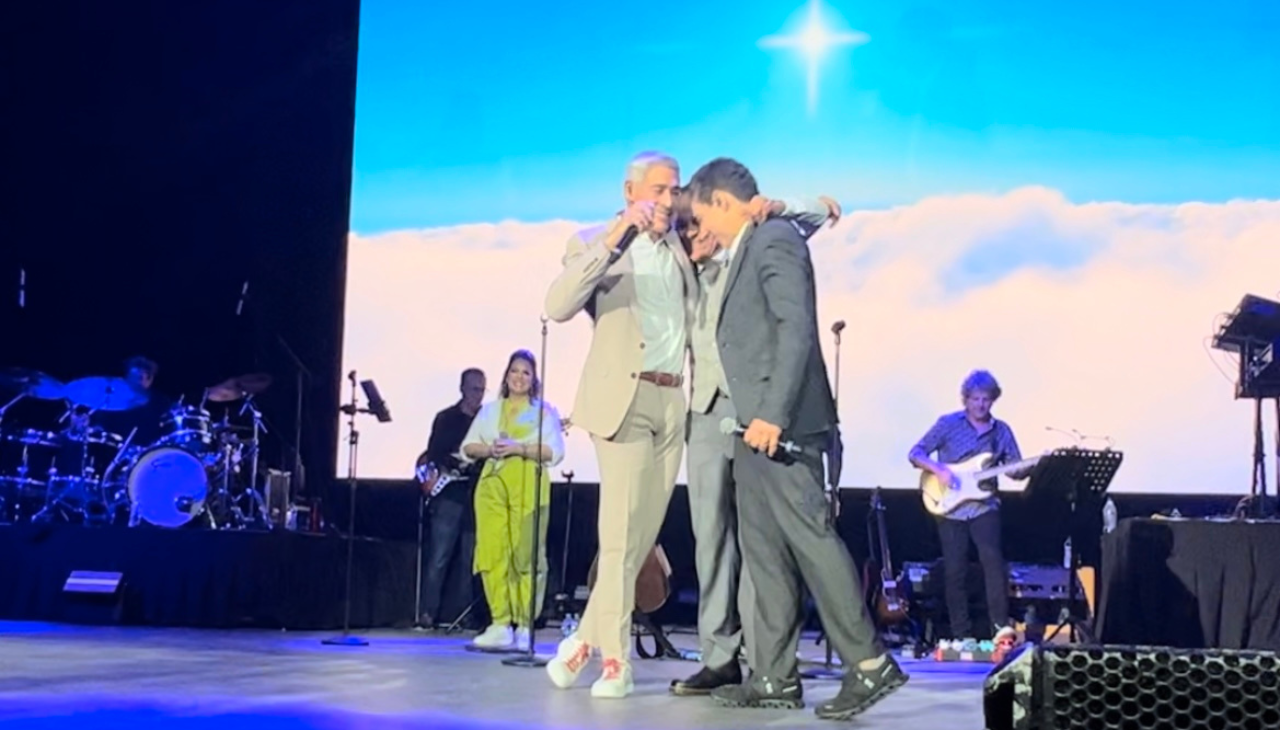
615 682
495 637
521 638
571 657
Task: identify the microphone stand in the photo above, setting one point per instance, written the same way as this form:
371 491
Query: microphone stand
834 463
564 597
528 658
353 444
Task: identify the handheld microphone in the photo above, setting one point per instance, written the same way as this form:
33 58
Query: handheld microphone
624 243
729 427
838 327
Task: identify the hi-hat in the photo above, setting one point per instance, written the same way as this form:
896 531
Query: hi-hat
104 394
237 388
32 383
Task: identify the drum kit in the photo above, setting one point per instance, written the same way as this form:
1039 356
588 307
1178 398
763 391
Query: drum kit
198 471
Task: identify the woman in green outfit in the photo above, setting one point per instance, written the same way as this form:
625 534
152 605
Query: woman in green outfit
505 434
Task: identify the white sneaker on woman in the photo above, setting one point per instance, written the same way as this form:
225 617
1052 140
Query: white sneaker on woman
495 637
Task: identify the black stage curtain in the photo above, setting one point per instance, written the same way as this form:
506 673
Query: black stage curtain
209 578
1191 584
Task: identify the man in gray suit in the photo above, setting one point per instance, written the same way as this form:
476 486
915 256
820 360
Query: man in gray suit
777 380
725 591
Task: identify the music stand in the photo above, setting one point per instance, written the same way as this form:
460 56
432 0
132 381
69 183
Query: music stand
1079 477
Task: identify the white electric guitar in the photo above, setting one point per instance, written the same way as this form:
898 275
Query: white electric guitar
941 499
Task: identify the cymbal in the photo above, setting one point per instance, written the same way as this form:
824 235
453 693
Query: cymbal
237 388
32 383
104 394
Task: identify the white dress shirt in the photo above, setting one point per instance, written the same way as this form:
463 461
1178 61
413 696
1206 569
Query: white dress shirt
660 300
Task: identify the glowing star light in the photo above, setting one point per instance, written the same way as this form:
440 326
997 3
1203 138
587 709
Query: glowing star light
813 40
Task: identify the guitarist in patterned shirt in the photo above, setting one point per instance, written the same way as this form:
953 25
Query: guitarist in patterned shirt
956 437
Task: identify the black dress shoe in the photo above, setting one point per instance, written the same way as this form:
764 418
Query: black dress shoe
708 679
861 689
763 693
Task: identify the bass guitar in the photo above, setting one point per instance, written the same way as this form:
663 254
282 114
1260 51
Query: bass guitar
425 471
886 597
942 499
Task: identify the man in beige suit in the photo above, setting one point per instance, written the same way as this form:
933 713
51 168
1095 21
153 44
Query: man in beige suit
630 399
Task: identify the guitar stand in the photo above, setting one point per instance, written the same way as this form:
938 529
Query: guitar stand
662 646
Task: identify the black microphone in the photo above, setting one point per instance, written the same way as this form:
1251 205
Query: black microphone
351 376
838 327
624 243
730 428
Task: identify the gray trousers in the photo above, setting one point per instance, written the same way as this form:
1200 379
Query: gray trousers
787 536
725 592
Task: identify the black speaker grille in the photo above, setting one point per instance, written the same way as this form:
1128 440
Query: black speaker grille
1141 687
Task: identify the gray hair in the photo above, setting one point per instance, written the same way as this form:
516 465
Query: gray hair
641 164
983 381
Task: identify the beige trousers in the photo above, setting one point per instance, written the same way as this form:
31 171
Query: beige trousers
638 468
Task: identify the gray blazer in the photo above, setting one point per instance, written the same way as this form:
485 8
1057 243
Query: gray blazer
768 334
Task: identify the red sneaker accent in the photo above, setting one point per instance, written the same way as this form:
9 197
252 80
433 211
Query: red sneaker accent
578 659
612 669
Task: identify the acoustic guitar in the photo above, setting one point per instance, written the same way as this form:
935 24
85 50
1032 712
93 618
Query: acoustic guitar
941 499
653 584
885 595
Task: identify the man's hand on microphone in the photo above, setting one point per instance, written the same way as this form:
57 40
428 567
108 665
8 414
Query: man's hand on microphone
639 214
762 436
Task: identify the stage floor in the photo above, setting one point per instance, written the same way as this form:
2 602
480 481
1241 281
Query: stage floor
56 676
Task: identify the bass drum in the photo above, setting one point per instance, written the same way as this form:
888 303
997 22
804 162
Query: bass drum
168 486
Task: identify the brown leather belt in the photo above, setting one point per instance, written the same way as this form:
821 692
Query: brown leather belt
663 380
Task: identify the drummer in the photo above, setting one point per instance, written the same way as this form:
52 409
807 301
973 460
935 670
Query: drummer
150 408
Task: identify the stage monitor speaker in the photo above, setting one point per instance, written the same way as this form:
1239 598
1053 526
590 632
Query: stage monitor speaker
1106 687
93 597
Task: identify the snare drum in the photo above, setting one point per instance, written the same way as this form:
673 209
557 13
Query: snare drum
168 486
186 427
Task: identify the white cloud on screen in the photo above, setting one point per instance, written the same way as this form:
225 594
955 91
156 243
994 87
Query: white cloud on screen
1094 317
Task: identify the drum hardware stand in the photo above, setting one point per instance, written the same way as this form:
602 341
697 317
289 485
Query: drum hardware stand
259 504
528 658
834 467
353 448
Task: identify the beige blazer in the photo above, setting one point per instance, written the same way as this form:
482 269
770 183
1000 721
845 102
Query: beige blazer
608 294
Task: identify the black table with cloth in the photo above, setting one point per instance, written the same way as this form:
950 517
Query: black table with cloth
1191 584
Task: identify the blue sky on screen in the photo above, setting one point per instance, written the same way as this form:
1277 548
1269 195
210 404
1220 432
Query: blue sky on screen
472 112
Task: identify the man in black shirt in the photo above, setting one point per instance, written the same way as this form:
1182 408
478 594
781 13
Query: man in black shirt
451 518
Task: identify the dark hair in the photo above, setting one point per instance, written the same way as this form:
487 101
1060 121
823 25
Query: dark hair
725 175
682 220
535 388
141 363
462 382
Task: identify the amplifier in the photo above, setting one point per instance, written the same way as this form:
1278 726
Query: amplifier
1026 581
